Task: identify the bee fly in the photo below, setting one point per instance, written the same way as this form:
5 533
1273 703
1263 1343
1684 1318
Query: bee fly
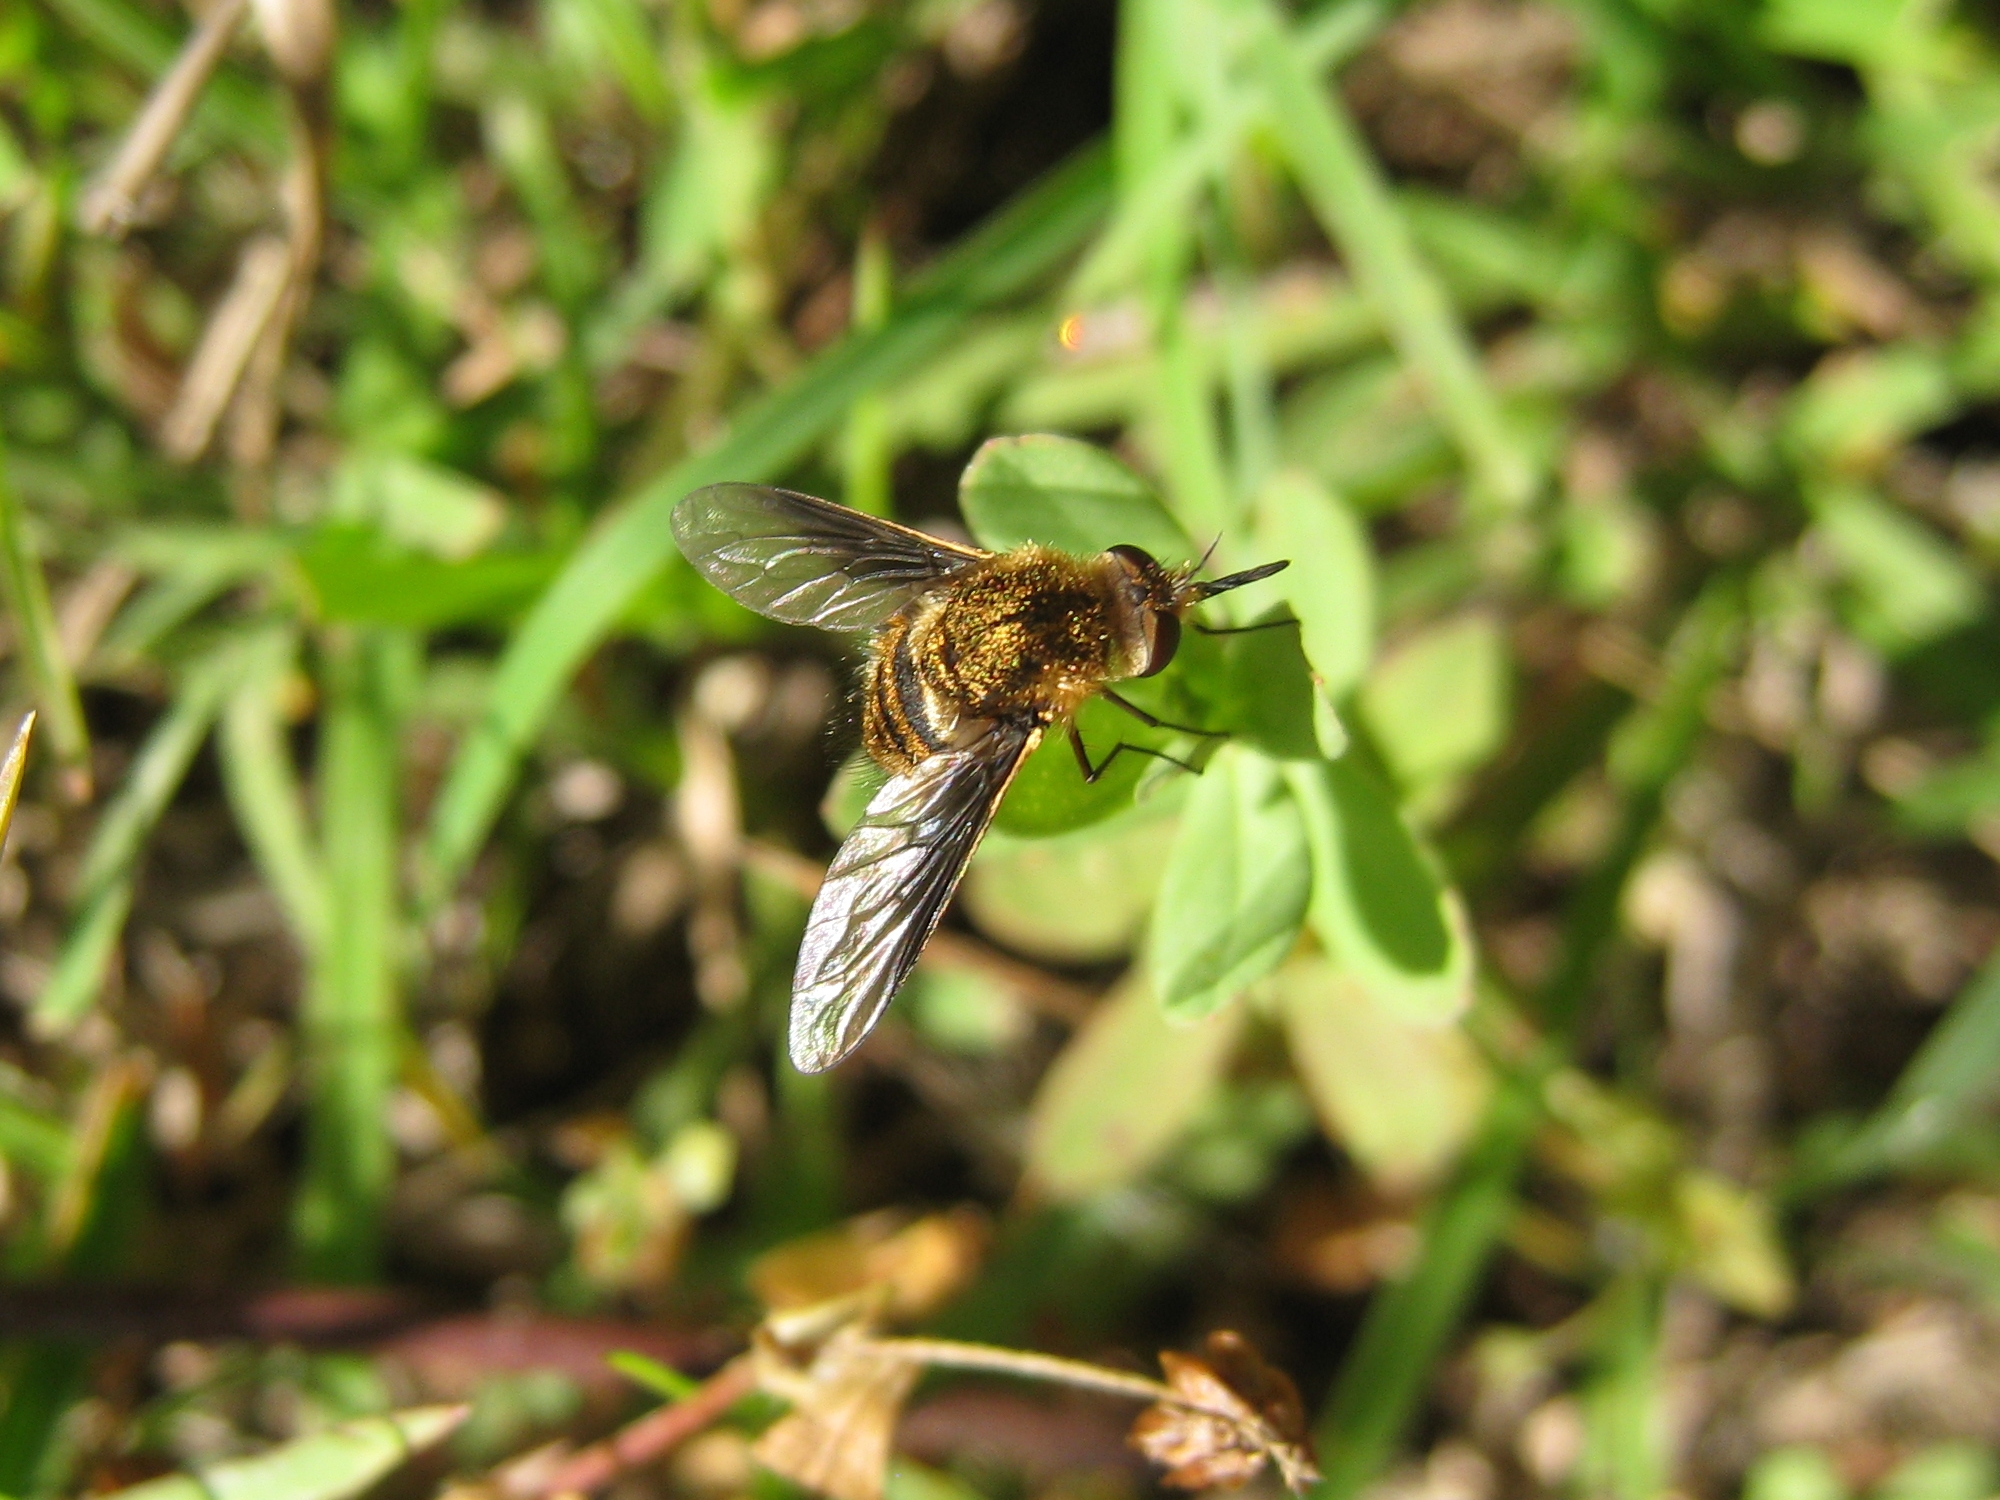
974 656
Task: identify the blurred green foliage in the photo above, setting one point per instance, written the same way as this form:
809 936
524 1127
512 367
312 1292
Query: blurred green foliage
409 873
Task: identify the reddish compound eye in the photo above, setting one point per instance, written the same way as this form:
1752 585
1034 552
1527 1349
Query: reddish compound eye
1163 639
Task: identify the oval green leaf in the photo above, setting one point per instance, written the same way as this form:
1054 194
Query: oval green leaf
1122 1093
1076 898
1377 902
1400 1096
1330 584
343 1460
1236 887
1067 494
1049 794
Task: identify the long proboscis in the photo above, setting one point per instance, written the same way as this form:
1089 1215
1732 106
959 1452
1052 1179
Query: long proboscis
1210 588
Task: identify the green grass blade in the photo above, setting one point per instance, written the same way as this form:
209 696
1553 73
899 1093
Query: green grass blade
1149 203
134 39
104 887
1410 1321
632 542
351 1019
1954 1076
30 1139
1346 191
41 650
263 791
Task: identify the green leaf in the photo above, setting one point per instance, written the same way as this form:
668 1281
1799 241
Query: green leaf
1858 406
1122 1092
1879 32
1268 698
1795 1472
1236 886
1066 494
1943 1471
1731 1244
1331 582
1344 185
263 789
1377 902
104 886
708 198
1049 794
1073 898
352 1015
40 649
360 575
422 505
847 797
1907 585
1402 1097
341 1461
1438 705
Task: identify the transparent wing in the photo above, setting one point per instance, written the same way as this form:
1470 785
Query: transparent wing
888 886
808 561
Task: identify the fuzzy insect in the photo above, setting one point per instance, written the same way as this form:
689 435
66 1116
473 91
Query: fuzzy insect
973 657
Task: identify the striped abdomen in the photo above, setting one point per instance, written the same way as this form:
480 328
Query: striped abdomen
1027 634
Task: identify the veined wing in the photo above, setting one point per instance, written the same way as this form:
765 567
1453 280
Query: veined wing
807 561
889 885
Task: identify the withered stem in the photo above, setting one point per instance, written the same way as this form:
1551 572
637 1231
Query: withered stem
948 1354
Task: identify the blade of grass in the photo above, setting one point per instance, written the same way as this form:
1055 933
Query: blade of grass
104 887
93 1206
1144 133
263 791
32 1140
351 1021
631 543
1345 189
138 42
1954 1076
1409 1322
1165 195
41 648
865 452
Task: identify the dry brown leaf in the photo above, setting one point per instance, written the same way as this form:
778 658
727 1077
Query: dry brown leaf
921 1264
1235 1413
845 1400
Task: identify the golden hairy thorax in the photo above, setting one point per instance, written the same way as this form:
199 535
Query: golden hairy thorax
1028 632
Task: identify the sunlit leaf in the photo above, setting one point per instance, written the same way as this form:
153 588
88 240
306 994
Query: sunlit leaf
1122 1092
1074 898
1234 895
1438 705
1907 585
1377 901
1732 1244
341 1461
1400 1095
1049 794
1331 582
1066 494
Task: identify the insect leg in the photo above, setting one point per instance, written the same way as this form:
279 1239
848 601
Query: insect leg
1091 773
1154 723
1241 629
